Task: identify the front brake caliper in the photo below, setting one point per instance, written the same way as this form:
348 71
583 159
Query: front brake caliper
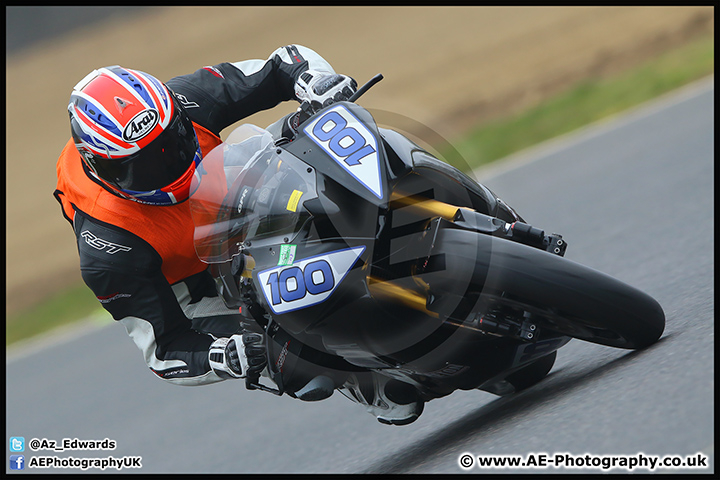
555 244
534 237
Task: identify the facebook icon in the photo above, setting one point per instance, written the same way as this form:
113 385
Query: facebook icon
17 462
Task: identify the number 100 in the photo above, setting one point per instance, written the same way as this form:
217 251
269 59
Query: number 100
292 283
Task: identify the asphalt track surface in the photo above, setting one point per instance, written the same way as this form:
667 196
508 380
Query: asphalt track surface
634 199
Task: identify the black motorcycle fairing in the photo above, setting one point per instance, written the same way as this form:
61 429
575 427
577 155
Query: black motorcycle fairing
332 143
385 250
380 257
410 157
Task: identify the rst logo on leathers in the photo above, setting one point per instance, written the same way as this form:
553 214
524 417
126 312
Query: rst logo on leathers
350 144
141 125
104 245
307 282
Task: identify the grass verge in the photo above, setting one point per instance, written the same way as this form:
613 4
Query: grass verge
587 102
75 303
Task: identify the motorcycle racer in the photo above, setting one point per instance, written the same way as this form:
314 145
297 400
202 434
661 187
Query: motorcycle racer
123 181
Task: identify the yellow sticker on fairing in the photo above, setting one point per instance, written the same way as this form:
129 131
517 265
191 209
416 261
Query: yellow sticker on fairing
294 199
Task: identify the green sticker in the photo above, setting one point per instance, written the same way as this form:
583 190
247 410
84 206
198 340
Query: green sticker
287 254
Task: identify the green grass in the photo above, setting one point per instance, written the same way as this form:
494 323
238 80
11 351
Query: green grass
586 103
77 302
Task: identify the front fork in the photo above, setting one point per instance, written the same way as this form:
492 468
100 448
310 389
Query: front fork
494 322
498 320
469 219
517 231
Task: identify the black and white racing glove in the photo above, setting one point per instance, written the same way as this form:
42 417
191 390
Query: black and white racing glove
239 356
321 89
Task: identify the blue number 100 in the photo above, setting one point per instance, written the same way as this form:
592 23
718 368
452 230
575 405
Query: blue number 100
339 131
292 283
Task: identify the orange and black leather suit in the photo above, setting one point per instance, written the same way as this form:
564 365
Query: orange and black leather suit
139 260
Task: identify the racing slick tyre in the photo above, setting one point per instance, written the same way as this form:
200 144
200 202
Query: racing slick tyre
528 376
558 294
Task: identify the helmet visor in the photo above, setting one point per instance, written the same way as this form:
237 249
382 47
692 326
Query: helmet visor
158 164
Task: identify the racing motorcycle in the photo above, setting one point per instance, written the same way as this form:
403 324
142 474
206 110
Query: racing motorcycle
355 250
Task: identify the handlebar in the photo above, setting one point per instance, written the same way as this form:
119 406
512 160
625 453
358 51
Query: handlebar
306 111
361 91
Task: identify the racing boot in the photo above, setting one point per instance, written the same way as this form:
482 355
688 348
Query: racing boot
391 401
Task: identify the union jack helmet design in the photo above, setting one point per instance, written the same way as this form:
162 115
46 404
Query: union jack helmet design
134 135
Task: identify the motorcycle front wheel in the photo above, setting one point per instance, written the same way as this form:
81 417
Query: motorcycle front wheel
561 295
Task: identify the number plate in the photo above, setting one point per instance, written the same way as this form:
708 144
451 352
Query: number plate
351 144
306 282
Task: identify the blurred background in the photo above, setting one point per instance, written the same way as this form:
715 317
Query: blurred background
449 68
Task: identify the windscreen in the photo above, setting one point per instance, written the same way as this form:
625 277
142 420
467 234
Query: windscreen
247 192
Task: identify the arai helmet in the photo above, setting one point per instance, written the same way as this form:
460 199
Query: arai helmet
134 135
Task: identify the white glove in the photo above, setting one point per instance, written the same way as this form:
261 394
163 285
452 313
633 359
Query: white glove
238 356
321 89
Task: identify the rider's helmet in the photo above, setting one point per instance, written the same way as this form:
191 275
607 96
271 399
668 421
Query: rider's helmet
134 135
